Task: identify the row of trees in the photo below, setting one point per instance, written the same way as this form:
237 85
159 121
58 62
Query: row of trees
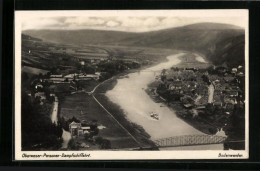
114 67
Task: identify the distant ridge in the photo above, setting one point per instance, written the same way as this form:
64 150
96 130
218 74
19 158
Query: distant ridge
211 26
206 38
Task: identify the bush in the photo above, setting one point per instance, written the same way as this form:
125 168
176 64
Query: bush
37 128
72 145
88 137
104 143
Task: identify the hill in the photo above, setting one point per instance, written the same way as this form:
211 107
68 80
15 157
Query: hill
210 39
230 51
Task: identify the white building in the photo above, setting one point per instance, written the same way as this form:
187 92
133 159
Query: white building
56 76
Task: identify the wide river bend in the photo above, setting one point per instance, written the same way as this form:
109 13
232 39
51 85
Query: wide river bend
129 94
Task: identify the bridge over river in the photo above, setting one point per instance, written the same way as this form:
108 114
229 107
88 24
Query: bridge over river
189 140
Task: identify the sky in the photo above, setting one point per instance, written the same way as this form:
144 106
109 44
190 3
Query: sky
131 21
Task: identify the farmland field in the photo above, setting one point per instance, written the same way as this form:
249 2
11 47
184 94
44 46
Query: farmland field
33 70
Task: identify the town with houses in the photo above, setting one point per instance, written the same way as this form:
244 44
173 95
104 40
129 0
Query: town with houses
204 96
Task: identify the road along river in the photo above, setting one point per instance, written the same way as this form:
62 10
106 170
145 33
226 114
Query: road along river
129 94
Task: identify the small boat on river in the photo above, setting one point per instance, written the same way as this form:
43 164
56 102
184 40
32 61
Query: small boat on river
154 115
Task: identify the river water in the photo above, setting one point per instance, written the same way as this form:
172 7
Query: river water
129 94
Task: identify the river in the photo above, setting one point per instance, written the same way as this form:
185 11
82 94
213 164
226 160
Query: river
129 94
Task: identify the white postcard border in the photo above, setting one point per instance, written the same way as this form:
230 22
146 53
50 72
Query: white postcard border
122 155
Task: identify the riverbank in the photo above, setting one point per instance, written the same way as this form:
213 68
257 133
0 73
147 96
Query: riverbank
137 131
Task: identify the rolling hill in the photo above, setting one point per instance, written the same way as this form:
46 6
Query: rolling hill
214 40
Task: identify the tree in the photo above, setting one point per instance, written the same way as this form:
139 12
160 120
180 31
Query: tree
104 143
88 137
24 76
48 74
73 119
40 76
72 145
37 129
163 72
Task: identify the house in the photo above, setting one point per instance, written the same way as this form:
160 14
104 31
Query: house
175 85
38 86
71 76
85 129
234 70
41 95
228 79
98 73
201 101
82 63
230 100
56 79
241 74
77 129
56 76
232 93
83 77
191 69
74 128
91 76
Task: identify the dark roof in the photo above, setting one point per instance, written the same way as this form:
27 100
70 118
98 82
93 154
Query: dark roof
177 83
228 78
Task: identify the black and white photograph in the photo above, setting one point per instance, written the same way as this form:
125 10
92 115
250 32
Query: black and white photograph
131 84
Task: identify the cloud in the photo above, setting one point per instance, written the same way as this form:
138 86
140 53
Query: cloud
174 21
152 22
38 23
131 22
84 21
121 23
112 23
